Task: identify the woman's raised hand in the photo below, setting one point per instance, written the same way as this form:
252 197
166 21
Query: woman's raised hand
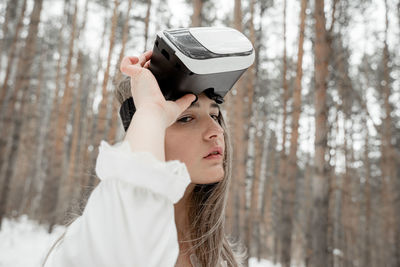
146 92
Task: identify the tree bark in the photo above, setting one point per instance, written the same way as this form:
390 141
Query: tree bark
146 21
266 203
92 153
21 83
101 131
388 164
114 123
235 109
197 13
252 179
10 58
40 208
100 120
56 175
12 51
284 250
289 180
10 14
72 174
366 258
27 157
320 195
67 189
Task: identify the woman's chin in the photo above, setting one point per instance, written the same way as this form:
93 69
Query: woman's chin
210 178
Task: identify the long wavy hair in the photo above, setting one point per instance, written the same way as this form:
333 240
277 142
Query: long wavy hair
207 203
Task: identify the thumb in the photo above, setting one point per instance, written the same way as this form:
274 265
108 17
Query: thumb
185 101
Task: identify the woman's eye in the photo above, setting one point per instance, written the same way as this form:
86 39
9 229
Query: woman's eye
184 119
215 116
189 119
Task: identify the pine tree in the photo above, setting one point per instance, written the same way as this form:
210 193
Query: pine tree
320 178
289 180
21 84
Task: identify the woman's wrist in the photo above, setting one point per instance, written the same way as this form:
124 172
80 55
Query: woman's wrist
146 132
154 113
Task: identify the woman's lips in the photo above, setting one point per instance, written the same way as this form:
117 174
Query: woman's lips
214 156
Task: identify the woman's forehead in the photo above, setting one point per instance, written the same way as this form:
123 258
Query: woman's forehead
204 101
204 98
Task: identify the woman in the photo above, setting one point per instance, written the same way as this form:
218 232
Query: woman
161 201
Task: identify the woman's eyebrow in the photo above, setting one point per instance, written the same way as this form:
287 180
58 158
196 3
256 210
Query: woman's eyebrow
197 105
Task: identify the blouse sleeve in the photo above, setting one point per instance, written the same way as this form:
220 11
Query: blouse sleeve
129 217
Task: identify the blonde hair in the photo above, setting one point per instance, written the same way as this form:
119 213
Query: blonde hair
206 207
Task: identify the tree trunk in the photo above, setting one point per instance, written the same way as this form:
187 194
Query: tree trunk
8 95
101 131
337 184
398 13
397 180
284 252
66 191
27 158
12 52
252 179
100 123
87 170
366 257
11 11
67 188
146 21
266 203
197 13
114 123
309 173
39 208
344 205
320 178
388 165
38 170
252 216
55 177
21 83
260 171
91 154
235 109
289 180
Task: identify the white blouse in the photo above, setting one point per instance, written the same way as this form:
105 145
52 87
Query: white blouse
129 217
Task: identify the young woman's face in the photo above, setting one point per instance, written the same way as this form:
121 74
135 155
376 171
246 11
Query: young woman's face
193 136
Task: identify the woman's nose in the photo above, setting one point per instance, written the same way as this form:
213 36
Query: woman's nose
214 130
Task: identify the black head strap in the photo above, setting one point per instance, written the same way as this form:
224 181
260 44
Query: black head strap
126 112
128 107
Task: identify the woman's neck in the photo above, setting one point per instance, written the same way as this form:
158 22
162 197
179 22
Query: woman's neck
182 219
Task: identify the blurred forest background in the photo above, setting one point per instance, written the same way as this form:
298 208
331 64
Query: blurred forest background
315 121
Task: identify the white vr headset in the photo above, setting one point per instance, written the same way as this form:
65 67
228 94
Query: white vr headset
196 60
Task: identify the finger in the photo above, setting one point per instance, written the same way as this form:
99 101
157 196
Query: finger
185 101
134 59
126 61
147 64
131 70
143 58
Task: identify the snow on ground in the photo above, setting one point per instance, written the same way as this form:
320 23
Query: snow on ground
24 243
263 263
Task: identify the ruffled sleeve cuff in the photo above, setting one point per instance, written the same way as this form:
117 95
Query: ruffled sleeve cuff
142 169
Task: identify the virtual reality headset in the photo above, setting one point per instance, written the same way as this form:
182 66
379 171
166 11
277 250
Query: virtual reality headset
196 60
